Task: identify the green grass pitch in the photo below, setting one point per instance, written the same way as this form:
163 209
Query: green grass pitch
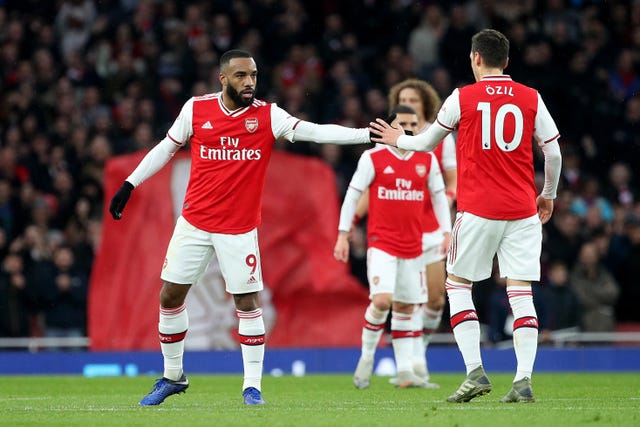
563 399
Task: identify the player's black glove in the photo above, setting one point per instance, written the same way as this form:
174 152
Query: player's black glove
389 120
119 200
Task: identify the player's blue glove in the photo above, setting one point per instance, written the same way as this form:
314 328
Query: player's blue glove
119 200
389 120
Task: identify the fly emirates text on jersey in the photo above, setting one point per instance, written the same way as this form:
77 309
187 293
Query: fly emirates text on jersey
403 191
229 151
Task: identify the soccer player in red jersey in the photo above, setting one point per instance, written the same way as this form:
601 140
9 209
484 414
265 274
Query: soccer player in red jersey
499 211
400 183
424 99
231 137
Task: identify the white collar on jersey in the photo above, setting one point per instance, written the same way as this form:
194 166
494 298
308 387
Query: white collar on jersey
499 77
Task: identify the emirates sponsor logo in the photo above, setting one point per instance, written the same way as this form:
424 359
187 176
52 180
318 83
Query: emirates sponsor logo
225 153
251 124
421 170
400 194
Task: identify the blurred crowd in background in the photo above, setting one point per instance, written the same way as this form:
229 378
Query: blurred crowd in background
84 80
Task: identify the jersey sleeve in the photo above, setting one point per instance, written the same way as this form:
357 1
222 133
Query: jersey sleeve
449 114
449 153
283 124
364 174
438 197
545 129
361 179
182 128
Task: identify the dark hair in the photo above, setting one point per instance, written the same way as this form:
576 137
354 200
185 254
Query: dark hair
492 46
402 109
234 53
430 98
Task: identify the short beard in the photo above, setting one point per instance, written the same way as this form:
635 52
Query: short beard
237 99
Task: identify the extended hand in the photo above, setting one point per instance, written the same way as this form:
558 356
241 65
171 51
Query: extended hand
384 133
119 200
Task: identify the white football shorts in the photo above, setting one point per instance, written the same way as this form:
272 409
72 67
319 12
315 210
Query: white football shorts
475 241
432 247
191 249
402 277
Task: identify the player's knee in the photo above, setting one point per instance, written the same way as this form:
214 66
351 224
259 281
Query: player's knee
173 295
403 307
436 302
246 302
382 302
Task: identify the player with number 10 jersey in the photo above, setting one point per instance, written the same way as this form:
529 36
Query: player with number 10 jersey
497 120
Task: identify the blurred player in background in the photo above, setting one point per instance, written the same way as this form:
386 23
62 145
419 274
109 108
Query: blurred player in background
400 184
424 99
499 211
232 135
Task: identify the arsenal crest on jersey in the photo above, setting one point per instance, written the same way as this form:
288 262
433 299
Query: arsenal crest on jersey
251 124
421 170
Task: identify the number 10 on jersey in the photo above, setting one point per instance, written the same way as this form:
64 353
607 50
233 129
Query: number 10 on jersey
498 128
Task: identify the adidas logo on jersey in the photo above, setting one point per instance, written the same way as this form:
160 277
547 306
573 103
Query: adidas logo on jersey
251 280
388 170
207 125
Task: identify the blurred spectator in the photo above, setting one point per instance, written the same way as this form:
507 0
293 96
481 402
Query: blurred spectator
558 306
623 78
424 41
563 238
73 25
619 189
596 289
66 292
455 45
629 272
626 135
15 300
590 199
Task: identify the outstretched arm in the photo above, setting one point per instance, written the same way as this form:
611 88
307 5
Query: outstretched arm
329 134
155 159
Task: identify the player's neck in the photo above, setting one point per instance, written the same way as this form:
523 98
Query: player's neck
400 151
228 103
483 72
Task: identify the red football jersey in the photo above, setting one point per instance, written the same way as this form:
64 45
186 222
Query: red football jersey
230 152
498 120
396 199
